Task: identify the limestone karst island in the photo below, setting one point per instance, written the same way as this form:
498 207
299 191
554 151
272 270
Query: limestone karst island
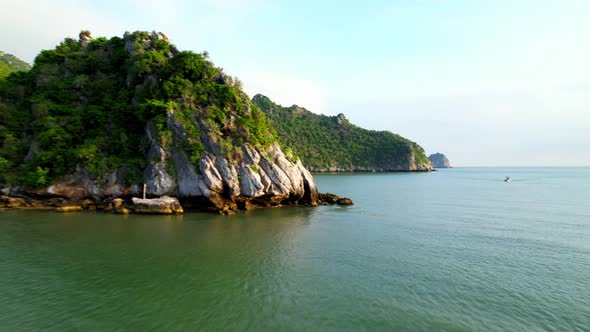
253 165
115 123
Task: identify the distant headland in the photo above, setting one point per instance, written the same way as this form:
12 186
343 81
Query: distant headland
439 160
333 144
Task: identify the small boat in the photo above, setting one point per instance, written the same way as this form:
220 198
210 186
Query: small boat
507 179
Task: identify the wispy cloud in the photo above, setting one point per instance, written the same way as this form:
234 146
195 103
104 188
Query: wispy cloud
30 26
285 89
36 25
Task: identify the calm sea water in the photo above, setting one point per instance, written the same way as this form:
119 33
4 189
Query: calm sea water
457 249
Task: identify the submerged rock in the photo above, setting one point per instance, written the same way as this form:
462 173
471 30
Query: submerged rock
69 208
344 201
328 199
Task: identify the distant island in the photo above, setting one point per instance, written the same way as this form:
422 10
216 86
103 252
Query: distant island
439 160
333 144
96 118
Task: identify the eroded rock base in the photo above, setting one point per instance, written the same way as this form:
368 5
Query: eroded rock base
169 205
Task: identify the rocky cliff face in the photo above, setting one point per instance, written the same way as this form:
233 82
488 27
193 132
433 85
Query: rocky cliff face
163 118
439 160
252 176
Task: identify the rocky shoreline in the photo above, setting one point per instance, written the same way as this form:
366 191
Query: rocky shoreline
164 205
367 170
411 167
263 178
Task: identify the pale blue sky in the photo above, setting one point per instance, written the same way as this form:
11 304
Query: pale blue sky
485 82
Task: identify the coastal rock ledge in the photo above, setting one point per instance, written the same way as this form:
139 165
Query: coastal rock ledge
256 178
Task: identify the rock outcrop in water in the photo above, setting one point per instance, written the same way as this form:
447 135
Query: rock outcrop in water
99 118
161 205
439 160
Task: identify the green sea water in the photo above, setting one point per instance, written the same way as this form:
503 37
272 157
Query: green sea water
456 250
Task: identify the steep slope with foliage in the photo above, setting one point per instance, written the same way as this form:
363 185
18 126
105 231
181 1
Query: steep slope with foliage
332 143
97 117
14 62
9 63
5 70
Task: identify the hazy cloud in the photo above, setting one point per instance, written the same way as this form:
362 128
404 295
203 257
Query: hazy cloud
285 89
30 26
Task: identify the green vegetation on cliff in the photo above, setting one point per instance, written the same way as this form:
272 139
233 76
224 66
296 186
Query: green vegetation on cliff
332 142
86 104
9 63
13 62
5 70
